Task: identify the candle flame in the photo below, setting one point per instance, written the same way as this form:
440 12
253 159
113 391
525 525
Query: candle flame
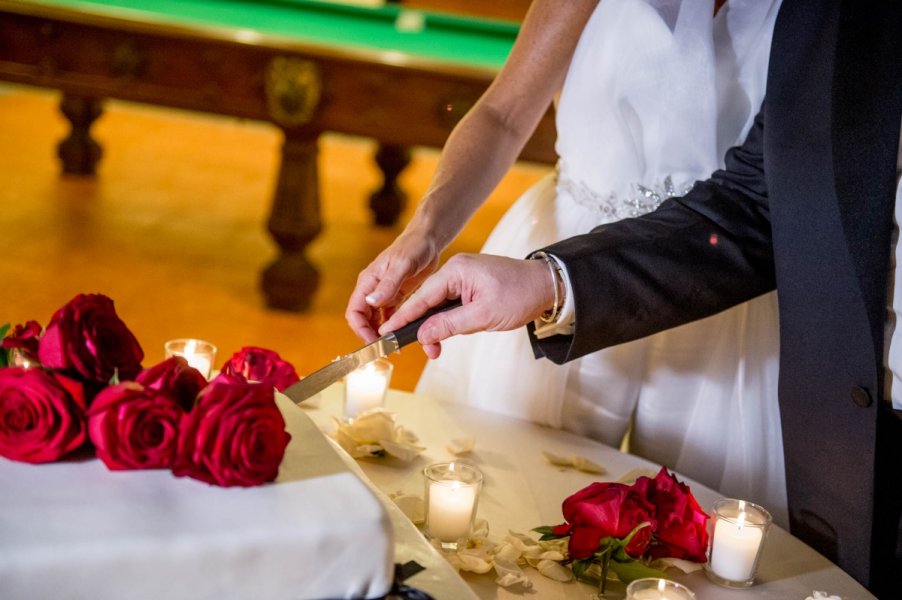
190 346
741 521
661 585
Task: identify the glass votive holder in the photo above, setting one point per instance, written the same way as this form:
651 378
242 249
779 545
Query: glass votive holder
736 542
653 588
452 494
198 353
20 358
365 387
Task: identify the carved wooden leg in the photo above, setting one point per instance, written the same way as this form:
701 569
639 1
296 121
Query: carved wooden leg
79 152
290 280
388 201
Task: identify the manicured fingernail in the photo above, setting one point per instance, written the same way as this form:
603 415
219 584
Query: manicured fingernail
373 298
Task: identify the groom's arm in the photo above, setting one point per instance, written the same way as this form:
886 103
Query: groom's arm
693 257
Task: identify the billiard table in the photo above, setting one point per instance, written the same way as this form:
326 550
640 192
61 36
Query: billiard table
399 75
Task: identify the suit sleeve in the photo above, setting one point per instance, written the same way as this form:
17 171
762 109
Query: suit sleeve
691 258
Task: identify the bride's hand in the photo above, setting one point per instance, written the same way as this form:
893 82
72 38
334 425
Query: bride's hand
387 280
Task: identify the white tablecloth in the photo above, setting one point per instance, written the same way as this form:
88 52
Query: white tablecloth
75 530
522 491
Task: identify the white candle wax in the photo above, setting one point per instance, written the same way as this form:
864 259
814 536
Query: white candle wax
450 510
734 549
365 389
201 362
658 589
197 353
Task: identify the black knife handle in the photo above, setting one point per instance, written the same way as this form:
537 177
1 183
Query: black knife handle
408 333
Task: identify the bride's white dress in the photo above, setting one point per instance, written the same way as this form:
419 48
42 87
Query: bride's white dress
656 93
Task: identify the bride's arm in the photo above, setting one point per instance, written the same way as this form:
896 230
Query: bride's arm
489 138
479 151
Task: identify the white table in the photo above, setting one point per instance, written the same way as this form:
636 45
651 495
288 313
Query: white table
522 491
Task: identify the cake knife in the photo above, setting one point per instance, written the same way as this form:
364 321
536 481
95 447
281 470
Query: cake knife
341 366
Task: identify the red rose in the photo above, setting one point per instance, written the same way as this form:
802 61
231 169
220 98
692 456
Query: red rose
264 366
175 377
234 436
229 378
134 427
86 337
606 510
25 339
41 415
682 530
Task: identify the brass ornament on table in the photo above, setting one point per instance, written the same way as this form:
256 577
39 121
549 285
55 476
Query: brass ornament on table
293 89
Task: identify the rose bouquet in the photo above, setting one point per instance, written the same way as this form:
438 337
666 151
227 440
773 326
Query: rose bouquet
621 528
79 384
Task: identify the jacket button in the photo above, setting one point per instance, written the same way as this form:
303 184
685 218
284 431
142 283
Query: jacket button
861 397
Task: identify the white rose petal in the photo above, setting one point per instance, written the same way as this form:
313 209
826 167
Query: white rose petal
412 506
585 465
630 477
686 566
554 570
480 530
474 561
574 461
405 452
509 574
462 445
818 595
508 552
371 426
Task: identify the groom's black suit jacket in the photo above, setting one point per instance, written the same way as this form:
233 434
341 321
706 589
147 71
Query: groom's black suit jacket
804 205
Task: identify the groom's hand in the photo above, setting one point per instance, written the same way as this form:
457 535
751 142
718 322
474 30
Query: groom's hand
497 294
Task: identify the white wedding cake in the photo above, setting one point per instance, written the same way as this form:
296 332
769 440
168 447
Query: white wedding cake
77 530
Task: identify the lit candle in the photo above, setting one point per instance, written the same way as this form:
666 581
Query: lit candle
452 491
198 353
652 588
365 387
450 510
19 358
739 530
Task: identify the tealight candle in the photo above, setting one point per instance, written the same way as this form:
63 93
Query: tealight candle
198 353
452 494
739 531
19 358
365 387
652 588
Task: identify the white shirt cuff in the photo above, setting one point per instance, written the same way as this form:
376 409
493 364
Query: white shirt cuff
566 318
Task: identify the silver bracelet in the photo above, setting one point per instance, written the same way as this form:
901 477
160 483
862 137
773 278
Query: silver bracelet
557 280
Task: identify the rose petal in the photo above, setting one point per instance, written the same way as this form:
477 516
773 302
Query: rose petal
403 452
509 574
554 570
463 445
474 561
412 506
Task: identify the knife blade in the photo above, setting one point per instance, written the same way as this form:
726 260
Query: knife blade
341 366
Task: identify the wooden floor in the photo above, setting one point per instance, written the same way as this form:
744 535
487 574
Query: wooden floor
173 227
